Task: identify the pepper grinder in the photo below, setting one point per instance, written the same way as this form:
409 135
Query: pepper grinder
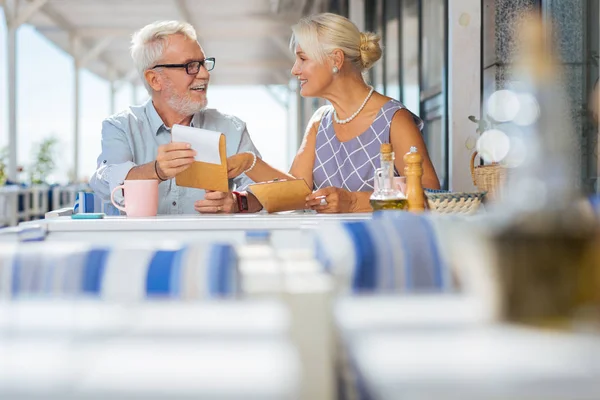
413 170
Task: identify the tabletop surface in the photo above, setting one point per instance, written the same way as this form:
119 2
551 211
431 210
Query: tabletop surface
195 222
446 347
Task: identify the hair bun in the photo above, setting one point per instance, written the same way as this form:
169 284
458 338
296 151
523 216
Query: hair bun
370 50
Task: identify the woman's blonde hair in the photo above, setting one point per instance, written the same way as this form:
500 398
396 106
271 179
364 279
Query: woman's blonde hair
318 35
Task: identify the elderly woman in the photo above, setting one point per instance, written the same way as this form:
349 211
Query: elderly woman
340 150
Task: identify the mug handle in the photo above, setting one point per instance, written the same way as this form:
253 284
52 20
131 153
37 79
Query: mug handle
112 198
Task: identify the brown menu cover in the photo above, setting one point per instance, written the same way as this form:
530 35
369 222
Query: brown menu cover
285 195
207 176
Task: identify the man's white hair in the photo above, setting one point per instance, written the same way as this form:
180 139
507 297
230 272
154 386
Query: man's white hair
148 44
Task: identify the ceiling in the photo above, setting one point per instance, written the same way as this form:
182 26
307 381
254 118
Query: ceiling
248 38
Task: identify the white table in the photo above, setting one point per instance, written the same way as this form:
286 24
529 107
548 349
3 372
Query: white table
288 230
161 350
428 348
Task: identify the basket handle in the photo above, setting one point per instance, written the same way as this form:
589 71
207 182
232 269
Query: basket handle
473 167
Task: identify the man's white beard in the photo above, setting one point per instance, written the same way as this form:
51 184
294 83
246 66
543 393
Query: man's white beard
184 105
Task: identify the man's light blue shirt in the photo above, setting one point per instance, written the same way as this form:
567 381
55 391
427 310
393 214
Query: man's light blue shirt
132 137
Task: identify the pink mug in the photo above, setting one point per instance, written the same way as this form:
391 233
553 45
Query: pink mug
141 197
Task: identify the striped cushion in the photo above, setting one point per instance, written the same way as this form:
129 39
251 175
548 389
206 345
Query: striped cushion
395 251
119 272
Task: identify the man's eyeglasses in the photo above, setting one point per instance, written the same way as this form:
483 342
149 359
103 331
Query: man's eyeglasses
192 67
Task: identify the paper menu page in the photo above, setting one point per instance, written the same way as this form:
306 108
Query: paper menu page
205 142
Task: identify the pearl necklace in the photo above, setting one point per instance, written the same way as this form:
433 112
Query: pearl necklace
350 118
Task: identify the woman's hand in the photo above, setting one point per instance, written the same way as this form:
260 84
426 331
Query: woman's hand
238 163
337 200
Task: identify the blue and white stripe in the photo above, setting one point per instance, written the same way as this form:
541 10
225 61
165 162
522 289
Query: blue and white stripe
393 252
118 273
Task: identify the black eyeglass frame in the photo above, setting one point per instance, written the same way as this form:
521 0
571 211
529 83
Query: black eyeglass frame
187 66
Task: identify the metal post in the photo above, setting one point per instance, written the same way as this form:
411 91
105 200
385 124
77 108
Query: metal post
76 125
113 97
134 97
113 89
11 46
13 21
76 44
299 116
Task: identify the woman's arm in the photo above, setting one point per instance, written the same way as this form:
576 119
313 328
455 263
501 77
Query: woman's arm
261 172
302 165
304 162
403 135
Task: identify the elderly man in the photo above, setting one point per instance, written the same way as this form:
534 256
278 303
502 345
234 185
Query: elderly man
136 143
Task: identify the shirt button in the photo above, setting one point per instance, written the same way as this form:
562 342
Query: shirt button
174 203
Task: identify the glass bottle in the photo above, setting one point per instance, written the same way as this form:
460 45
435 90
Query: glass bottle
386 195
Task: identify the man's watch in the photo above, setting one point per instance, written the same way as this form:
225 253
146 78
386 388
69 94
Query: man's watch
242 201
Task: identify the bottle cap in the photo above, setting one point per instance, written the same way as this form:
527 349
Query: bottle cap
386 148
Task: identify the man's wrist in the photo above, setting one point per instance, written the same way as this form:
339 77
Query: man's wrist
236 208
253 203
157 171
241 202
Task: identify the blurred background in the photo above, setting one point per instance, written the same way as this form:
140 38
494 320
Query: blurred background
68 66
492 293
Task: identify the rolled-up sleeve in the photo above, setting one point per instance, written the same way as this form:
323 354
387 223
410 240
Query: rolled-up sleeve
114 163
242 181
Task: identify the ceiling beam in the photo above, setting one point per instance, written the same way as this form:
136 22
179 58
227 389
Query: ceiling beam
26 13
210 34
253 64
94 52
283 47
61 21
184 12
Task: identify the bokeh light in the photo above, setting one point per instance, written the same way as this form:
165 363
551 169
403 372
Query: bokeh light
503 105
529 110
493 145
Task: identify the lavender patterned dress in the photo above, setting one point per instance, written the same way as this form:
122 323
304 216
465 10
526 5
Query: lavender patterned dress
351 165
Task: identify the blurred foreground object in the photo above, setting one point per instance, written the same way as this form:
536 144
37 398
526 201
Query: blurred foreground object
546 263
488 178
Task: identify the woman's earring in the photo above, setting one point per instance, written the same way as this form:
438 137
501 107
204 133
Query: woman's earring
335 70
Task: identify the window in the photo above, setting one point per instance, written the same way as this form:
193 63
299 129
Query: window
409 69
392 49
433 86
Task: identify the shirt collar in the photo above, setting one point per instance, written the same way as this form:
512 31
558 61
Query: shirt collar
155 121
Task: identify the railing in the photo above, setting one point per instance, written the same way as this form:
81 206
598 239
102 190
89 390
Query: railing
18 203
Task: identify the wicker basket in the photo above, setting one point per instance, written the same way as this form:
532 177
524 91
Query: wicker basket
443 202
488 178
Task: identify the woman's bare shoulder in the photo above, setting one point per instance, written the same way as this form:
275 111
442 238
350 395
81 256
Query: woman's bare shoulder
315 120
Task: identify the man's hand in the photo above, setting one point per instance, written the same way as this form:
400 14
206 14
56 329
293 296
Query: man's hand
238 163
174 158
336 200
217 202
